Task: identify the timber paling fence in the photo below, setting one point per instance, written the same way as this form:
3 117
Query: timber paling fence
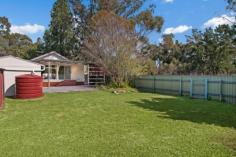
222 88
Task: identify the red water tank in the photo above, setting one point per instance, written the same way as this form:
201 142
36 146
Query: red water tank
29 86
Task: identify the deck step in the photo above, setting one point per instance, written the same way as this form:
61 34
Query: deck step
67 83
62 83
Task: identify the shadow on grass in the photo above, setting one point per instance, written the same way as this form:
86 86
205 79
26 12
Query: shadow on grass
197 111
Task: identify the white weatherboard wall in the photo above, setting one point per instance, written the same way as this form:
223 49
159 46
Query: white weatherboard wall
77 72
14 67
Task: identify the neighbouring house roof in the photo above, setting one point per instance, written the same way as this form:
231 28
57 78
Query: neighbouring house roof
15 63
13 57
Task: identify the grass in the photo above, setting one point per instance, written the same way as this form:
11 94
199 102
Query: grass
101 123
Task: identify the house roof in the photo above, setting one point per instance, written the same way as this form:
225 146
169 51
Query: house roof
52 56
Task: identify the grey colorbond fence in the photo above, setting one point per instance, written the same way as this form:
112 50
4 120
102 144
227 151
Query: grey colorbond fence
222 88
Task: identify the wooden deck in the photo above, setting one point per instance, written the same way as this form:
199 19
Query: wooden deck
66 89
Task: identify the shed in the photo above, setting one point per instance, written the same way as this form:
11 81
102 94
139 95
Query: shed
15 66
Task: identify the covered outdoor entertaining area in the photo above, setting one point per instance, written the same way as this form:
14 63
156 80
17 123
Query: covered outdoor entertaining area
60 71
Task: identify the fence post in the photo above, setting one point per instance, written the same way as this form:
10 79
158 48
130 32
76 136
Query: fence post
180 86
134 82
191 88
154 85
221 95
206 88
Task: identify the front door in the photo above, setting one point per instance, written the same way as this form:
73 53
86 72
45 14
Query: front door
1 90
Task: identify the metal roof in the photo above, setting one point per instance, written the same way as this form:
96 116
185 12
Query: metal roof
29 61
49 57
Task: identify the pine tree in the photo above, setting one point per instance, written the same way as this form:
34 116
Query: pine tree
60 33
80 27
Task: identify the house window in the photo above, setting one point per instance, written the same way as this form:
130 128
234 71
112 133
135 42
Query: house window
64 73
50 74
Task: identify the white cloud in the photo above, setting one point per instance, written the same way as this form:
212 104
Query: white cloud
160 40
27 28
216 21
168 1
177 30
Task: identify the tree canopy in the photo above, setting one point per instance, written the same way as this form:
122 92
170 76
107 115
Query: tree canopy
14 43
231 5
112 44
212 51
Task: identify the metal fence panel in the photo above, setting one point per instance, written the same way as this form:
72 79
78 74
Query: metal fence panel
222 88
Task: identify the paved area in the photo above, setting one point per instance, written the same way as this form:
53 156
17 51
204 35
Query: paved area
65 89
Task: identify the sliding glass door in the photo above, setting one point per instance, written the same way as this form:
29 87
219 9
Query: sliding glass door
50 72
61 73
64 73
67 70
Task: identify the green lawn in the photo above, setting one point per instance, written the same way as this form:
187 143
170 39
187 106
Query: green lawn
103 124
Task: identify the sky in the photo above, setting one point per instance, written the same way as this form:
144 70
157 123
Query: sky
32 17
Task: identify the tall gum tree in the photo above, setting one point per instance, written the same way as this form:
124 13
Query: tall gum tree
113 30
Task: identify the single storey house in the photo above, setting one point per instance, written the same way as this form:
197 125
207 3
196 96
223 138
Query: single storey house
14 66
60 71
55 69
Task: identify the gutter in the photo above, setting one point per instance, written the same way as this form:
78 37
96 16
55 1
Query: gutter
33 71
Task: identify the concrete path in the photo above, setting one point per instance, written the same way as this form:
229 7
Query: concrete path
66 89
